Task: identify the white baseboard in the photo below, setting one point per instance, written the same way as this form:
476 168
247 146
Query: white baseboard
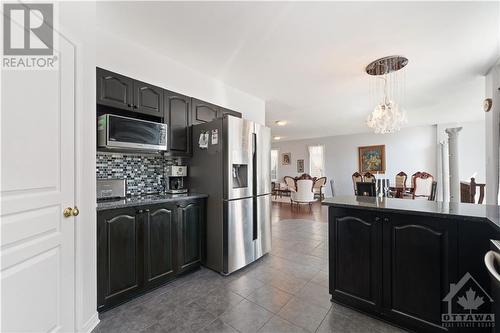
91 323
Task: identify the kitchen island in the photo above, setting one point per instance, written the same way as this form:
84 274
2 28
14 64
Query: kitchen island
395 259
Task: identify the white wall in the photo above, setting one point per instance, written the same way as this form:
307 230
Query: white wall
411 150
77 20
492 135
127 58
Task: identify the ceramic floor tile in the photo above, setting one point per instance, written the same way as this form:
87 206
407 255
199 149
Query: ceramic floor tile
280 325
246 317
218 326
270 298
218 301
315 294
303 314
244 285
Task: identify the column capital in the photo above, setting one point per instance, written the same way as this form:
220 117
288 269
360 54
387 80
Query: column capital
453 130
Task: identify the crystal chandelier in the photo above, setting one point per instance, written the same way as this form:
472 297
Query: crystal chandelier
387 117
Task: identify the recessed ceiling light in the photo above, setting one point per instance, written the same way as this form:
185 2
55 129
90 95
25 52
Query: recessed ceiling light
277 138
280 122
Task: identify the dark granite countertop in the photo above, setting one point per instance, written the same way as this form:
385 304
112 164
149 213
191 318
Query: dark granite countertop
421 207
147 199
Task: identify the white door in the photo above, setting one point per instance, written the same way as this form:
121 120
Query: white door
37 184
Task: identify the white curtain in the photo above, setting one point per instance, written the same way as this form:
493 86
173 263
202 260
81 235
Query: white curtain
317 160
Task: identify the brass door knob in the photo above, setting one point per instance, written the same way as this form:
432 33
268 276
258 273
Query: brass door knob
68 211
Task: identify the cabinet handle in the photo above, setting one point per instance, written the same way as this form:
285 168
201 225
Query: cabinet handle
135 106
377 219
129 105
146 210
386 219
140 211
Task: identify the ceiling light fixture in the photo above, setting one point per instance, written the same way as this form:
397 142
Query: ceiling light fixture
387 90
280 122
277 138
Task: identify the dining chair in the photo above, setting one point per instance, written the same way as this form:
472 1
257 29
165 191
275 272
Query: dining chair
422 185
356 177
366 189
290 183
304 193
468 191
318 187
399 188
369 177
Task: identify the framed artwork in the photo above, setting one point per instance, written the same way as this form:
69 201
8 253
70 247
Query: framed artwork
372 159
300 166
286 158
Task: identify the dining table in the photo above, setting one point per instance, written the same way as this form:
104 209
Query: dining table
400 190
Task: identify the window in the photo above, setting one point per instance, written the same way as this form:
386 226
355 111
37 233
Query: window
317 161
274 164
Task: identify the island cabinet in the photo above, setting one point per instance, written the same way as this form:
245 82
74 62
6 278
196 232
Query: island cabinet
141 248
395 266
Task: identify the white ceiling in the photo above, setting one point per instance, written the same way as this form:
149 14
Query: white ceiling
306 60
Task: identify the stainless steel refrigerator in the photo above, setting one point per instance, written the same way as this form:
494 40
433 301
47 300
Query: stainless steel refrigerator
232 164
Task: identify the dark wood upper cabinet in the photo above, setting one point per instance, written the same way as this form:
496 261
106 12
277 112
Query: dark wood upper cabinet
159 241
204 112
148 99
178 118
189 235
224 111
358 252
114 90
420 262
119 255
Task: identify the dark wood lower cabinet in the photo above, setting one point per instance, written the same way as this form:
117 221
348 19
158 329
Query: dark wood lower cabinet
141 248
189 235
419 263
359 253
395 266
119 268
159 240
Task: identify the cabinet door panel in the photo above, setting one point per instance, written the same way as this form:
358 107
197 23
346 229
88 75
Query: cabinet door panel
148 99
189 231
178 115
159 244
119 255
357 251
419 265
204 112
114 89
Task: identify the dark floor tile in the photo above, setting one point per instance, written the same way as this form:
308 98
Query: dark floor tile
270 298
303 314
218 301
218 326
244 285
246 317
315 294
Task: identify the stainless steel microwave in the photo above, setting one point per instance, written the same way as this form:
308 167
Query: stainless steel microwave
129 133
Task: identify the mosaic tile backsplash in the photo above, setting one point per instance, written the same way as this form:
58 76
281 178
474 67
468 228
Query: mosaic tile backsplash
143 173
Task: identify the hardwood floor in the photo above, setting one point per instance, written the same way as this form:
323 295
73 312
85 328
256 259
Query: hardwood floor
281 210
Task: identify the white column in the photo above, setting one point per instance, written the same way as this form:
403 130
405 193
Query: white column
453 163
445 176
